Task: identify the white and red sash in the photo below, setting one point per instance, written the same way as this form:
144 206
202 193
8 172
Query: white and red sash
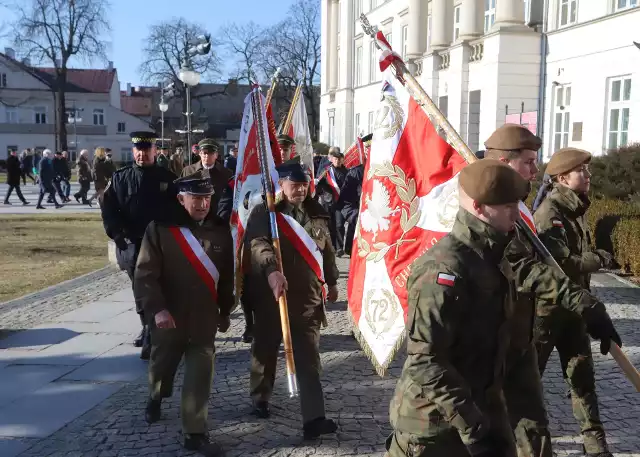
526 215
302 242
199 260
333 182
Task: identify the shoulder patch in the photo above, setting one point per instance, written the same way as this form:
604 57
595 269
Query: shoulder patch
557 223
445 279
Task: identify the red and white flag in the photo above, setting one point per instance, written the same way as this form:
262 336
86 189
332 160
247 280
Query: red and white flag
248 180
354 156
409 202
299 131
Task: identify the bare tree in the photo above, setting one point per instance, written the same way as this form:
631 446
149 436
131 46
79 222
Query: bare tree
294 46
244 44
54 31
166 48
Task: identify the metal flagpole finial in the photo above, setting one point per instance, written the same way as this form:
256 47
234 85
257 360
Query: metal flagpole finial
367 27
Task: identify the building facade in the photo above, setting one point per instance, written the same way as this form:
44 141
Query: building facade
567 69
27 110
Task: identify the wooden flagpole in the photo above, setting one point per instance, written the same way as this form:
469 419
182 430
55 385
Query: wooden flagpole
404 76
294 102
267 186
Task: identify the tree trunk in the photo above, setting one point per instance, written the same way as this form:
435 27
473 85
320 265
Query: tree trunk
61 120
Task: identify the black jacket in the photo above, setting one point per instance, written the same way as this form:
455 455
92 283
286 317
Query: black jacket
351 192
13 171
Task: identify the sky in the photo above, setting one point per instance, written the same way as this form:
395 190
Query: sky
130 21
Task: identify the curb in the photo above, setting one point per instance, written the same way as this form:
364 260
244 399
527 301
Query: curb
626 282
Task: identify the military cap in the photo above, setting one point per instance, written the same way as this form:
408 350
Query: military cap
367 138
143 138
491 182
513 137
195 184
292 170
285 139
163 148
566 159
208 145
336 154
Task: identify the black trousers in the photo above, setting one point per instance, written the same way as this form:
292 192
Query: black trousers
350 234
337 229
18 192
85 186
52 196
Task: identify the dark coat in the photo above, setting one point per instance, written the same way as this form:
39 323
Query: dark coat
46 174
13 171
350 193
61 168
84 170
101 173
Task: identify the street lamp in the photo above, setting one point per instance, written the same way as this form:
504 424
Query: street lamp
75 118
163 109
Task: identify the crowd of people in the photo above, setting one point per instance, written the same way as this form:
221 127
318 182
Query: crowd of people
52 172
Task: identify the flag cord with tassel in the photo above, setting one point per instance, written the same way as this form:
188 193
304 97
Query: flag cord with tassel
404 76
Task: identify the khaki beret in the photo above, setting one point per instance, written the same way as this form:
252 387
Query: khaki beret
513 137
491 182
566 159
209 145
285 139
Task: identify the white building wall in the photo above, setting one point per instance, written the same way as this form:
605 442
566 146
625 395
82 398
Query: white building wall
586 53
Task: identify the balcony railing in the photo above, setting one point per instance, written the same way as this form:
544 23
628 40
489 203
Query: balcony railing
477 50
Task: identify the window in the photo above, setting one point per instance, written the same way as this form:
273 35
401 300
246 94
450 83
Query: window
357 8
456 22
489 14
357 125
527 12
618 112
428 32
3 80
98 117
373 62
126 155
562 117
370 124
624 4
357 77
332 129
405 40
443 105
122 127
12 115
567 12
40 115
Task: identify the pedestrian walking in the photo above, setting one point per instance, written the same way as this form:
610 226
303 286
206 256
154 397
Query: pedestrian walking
83 169
65 169
26 167
448 401
14 174
46 176
101 173
137 194
186 306
60 182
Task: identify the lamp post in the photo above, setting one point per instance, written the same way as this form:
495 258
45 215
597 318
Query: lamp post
75 119
190 78
163 109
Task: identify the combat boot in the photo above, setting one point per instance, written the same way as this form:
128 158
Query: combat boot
201 443
152 411
261 409
138 341
317 427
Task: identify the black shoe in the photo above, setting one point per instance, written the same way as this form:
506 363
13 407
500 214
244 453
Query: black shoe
261 409
25 203
59 206
200 442
50 201
77 198
138 341
247 336
152 411
40 207
317 427
7 202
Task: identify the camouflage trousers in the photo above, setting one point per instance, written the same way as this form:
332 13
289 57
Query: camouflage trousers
525 403
567 332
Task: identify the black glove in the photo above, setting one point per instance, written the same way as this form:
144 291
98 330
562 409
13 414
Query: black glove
606 258
490 445
600 327
120 243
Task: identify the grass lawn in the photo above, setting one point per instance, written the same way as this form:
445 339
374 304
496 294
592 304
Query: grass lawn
38 251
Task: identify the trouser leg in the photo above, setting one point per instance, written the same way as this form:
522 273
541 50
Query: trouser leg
576 359
166 352
350 235
40 197
9 191
267 336
305 338
525 404
401 444
339 229
198 376
20 196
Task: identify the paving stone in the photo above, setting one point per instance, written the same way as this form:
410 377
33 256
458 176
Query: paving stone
37 338
12 448
121 363
19 380
97 311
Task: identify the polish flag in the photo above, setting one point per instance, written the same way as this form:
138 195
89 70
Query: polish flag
354 156
299 131
248 183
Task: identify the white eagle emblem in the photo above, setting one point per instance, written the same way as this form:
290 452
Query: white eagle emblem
375 218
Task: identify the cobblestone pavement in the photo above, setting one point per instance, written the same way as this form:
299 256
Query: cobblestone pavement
355 396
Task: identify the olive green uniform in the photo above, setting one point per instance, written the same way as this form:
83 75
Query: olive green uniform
449 395
167 280
305 301
563 229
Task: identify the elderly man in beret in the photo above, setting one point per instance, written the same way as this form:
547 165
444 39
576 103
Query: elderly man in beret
209 151
563 228
542 291
448 401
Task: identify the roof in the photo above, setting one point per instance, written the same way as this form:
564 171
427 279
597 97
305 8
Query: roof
84 80
136 105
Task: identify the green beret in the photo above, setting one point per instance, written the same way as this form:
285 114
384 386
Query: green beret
566 159
491 182
285 139
208 144
513 137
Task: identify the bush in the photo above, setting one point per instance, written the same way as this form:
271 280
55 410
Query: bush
616 175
